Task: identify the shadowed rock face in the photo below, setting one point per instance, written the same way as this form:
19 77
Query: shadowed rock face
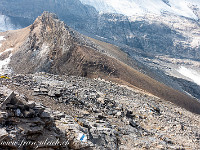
166 2
189 87
47 41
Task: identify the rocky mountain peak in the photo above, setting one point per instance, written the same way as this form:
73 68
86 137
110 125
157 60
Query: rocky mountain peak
47 25
49 38
48 15
49 20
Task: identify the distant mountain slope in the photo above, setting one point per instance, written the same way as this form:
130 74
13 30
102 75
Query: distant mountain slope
49 45
72 12
134 7
144 31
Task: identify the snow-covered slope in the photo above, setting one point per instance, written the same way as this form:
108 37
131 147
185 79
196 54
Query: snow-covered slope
134 7
191 74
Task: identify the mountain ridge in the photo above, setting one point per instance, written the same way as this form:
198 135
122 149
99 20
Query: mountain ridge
50 46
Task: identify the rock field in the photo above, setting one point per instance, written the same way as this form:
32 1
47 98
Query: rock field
83 113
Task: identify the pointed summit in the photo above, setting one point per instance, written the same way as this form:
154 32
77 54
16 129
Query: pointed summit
46 17
49 31
49 21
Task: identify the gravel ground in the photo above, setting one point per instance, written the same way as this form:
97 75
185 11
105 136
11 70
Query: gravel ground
136 119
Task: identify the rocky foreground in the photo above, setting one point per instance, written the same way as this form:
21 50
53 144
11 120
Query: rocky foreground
71 112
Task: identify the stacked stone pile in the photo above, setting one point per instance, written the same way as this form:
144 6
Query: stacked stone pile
28 123
24 121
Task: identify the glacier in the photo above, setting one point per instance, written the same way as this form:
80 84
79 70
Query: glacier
141 7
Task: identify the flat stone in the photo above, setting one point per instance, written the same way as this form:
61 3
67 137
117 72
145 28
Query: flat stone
36 90
132 123
31 130
23 97
54 92
3 116
119 113
38 108
11 106
35 120
156 109
58 115
31 104
7 100
16 84
29 114
3 133
44 90
45 115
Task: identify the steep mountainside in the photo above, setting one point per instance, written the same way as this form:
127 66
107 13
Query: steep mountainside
154 34
49 45
131 7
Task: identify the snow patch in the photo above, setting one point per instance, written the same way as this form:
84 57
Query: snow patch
4 68
10 49
1 39
44 50
101 37
191 74
195 42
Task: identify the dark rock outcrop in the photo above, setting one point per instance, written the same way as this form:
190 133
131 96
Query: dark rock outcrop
189 87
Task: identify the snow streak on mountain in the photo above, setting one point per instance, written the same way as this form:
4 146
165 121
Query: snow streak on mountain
191 74
137 7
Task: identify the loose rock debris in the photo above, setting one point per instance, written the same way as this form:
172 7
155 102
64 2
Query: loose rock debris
91 114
